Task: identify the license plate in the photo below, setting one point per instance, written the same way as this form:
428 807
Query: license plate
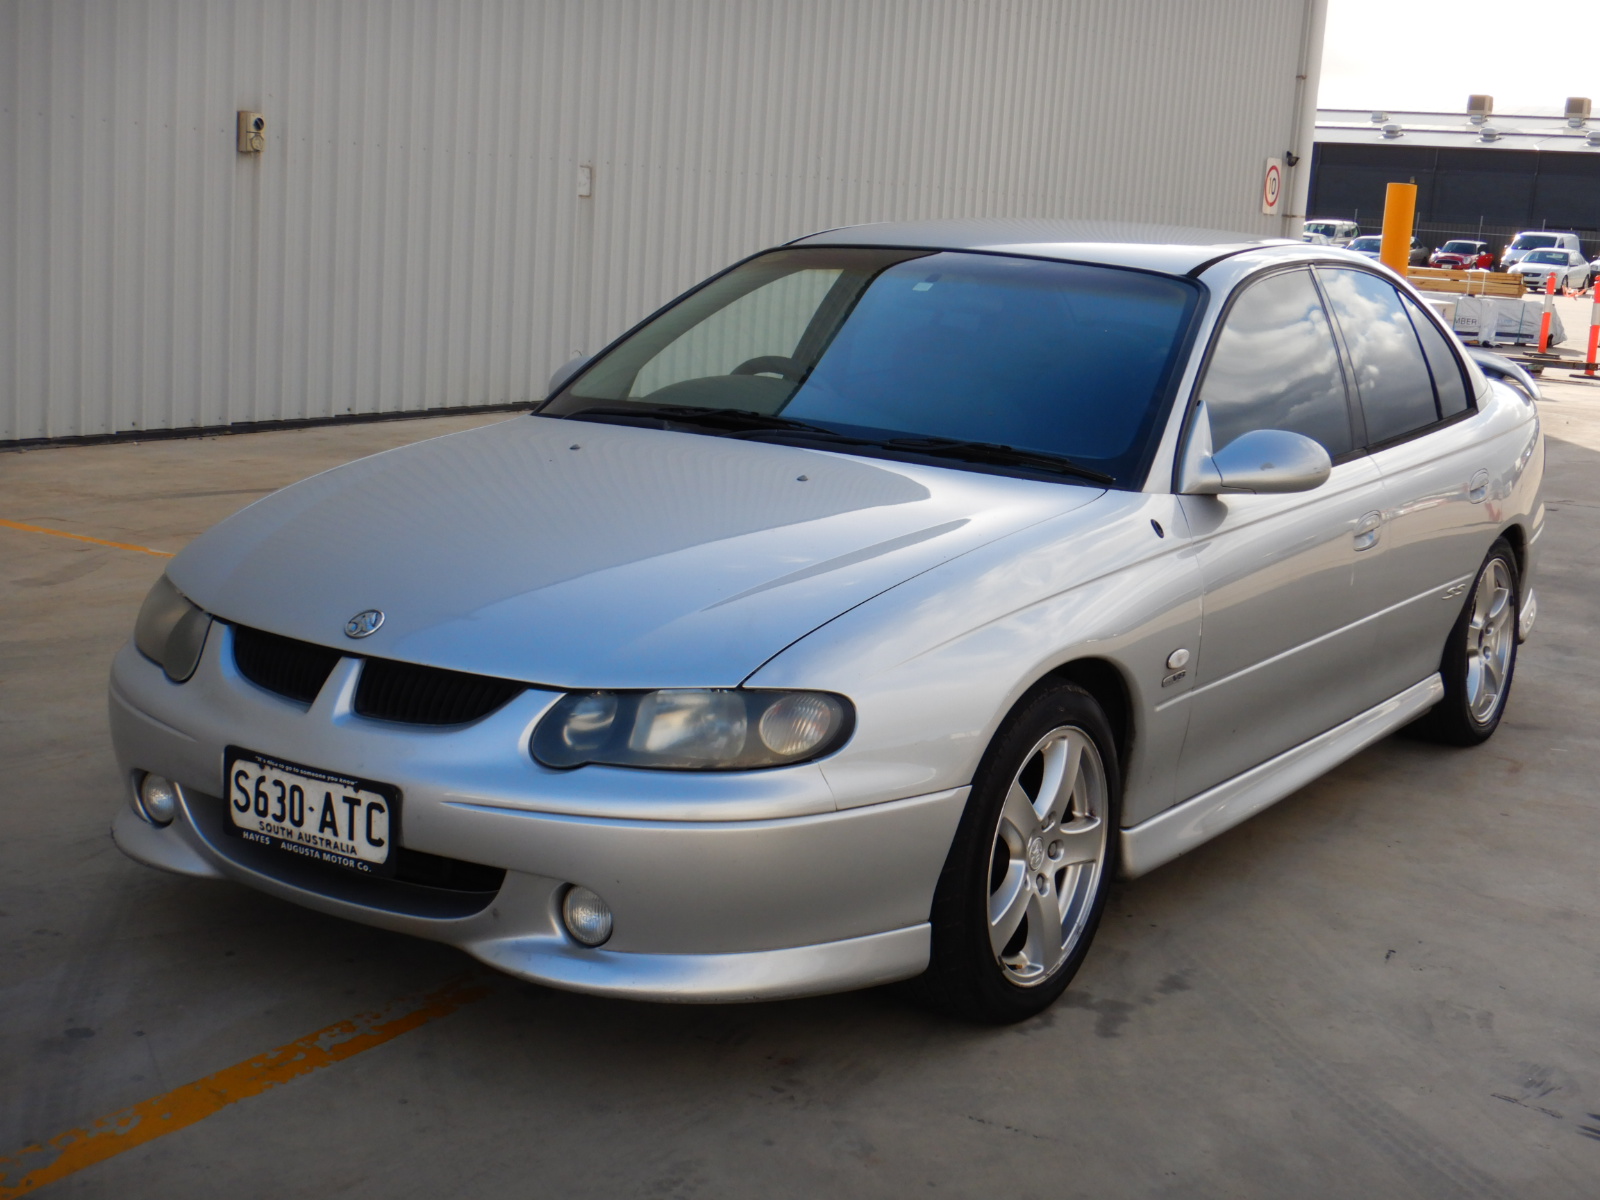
319 815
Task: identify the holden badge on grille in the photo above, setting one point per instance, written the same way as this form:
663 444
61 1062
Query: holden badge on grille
363 624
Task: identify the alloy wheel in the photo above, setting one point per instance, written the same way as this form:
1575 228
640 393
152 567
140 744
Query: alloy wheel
1491 639
1048 854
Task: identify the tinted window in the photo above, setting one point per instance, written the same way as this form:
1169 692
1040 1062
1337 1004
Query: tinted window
1532 241
1390 375
1275 366
1448 382
891 345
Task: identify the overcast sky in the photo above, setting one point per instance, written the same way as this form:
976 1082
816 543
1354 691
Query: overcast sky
1430 54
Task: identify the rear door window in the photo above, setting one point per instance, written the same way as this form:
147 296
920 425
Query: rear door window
1449 384
1391 375
1275 365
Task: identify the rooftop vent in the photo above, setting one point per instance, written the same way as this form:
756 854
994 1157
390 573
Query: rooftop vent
1594 137
1489 134
1393 131
1378 118
1577 111
1479 108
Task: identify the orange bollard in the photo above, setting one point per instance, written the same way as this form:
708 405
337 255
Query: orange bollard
1399 218
1549 307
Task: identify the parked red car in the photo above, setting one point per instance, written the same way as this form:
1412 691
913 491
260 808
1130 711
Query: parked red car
1460 255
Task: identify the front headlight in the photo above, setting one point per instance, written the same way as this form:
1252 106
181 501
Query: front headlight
693 729
171 631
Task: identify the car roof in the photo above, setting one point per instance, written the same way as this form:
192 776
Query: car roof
1170 248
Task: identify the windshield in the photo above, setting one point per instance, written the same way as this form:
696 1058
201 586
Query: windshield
1367 243
1326 228
1533 241
1547 256
910 354
1460 247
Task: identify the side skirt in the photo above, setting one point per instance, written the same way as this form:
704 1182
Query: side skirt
1199 819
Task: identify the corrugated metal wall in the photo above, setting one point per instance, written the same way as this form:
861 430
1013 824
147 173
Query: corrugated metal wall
413 236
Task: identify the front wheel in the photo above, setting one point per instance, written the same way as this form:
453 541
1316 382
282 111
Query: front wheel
1026 879
1480 656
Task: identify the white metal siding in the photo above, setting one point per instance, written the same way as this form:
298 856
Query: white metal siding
412 236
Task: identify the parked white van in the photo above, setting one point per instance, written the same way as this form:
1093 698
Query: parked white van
1338 233
1538 239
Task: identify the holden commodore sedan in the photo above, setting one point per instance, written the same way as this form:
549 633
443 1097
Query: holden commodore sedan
856 618
1538 267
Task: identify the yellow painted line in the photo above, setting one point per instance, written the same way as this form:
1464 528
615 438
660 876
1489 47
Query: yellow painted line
37 1165
79 537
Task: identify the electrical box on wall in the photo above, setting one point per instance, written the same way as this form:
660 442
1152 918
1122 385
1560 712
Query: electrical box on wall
252 133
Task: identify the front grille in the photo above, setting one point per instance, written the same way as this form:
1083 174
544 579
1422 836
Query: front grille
396 691
291 668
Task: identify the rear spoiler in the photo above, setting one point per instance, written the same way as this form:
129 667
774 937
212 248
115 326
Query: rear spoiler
1497 366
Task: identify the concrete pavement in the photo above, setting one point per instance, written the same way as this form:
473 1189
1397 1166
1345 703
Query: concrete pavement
1388 985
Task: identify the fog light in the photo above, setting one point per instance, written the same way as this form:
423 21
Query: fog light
586 916
158 800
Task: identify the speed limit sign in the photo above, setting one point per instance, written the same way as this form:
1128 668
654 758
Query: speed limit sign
1272 187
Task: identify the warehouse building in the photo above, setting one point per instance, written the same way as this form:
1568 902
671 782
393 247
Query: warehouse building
217 215
1478 173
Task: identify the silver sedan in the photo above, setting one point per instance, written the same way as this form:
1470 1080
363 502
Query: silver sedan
855 618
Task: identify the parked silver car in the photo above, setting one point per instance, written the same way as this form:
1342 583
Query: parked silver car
855 618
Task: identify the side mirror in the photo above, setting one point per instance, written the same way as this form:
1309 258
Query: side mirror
564 373
1263 460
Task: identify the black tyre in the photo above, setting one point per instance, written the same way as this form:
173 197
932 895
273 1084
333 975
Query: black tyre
1480 657
1023 888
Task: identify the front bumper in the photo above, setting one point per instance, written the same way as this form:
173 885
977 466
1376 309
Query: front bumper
732 886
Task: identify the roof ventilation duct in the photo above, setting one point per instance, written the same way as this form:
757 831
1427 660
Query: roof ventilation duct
1577 111
1479 108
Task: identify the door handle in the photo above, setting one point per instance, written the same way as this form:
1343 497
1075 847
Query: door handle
1479 487
1368 529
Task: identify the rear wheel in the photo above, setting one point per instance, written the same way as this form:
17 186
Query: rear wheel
1480 657
1026 879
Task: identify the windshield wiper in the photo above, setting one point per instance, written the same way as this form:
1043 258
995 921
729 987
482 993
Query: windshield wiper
736 419
997 455
743 421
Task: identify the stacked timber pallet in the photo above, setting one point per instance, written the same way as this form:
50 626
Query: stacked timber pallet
1467 283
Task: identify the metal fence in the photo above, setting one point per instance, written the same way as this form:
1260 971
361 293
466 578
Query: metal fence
1498 236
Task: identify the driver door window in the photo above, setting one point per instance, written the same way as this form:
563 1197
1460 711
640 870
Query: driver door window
1275 365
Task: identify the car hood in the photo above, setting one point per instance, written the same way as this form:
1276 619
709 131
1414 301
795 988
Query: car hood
577 554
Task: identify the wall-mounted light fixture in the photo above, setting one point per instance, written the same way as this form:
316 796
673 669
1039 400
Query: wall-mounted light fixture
252 132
